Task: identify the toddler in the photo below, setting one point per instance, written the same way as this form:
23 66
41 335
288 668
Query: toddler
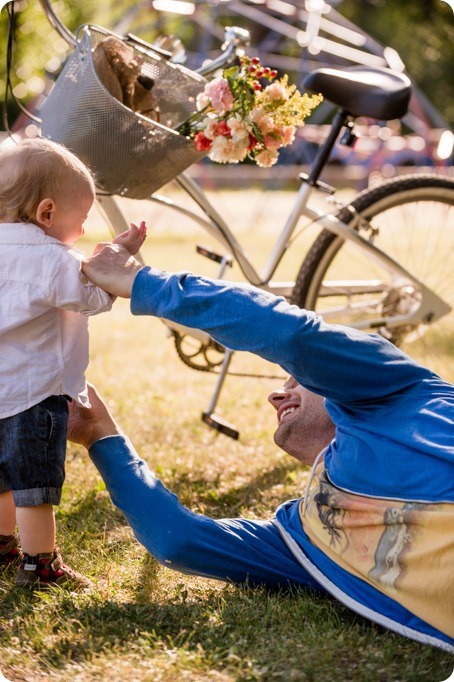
45 195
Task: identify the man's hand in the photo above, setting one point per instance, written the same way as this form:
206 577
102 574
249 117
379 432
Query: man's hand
113 269
87 425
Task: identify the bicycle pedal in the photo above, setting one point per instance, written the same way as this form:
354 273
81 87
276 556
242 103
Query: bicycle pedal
220 425
212 255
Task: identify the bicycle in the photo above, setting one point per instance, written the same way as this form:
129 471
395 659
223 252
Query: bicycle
358 272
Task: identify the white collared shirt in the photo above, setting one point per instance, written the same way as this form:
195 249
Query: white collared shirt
43 335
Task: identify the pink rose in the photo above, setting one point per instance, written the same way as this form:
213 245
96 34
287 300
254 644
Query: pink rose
219 93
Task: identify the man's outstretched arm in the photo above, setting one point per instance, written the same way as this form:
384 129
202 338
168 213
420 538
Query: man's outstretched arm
224 549
344 365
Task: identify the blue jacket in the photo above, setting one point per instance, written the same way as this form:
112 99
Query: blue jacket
377 527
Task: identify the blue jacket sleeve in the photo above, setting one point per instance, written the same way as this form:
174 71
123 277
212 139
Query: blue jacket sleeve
346 366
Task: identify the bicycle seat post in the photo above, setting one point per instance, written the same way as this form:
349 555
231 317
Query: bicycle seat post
322 156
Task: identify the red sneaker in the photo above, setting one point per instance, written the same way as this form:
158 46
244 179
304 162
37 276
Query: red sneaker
44 570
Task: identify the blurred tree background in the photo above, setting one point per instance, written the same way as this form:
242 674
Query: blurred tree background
421 31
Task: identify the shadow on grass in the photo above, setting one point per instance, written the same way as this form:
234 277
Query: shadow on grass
250 634
255 492
94 509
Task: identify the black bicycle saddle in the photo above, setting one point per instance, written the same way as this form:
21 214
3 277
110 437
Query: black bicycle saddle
363 90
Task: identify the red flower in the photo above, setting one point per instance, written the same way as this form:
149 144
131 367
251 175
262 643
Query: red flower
202 143
223 129
252 142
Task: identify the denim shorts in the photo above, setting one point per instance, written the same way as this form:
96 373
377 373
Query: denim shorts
33 451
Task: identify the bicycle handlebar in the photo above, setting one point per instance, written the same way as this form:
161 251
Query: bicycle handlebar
235 40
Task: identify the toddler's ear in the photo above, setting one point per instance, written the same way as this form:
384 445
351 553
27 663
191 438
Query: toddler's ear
45 212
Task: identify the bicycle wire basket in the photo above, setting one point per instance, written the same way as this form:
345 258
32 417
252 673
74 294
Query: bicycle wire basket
128 153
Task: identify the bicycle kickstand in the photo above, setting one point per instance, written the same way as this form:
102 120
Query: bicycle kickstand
209 416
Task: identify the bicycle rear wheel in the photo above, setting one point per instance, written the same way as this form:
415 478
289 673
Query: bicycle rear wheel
411 218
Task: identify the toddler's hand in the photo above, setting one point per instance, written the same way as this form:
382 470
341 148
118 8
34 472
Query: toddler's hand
133 238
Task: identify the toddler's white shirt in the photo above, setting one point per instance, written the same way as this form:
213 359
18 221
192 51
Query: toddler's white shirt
43 335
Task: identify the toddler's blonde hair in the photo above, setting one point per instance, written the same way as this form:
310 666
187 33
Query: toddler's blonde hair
38 169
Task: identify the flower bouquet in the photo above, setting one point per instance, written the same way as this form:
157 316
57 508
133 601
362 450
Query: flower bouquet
237 117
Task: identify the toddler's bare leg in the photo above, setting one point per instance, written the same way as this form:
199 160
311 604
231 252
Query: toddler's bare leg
7 514
36 527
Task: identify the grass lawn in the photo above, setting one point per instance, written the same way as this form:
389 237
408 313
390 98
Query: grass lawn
143 622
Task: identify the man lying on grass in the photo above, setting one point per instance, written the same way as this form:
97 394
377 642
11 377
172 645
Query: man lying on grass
375 525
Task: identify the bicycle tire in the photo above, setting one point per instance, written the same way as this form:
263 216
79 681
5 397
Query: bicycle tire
414 215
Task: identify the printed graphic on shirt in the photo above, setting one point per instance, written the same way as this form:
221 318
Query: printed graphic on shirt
396 546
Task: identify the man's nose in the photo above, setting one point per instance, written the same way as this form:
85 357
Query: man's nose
277 396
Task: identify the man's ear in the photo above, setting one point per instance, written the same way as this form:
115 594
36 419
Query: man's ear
45 213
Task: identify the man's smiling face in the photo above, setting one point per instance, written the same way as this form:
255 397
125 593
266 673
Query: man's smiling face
304 426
